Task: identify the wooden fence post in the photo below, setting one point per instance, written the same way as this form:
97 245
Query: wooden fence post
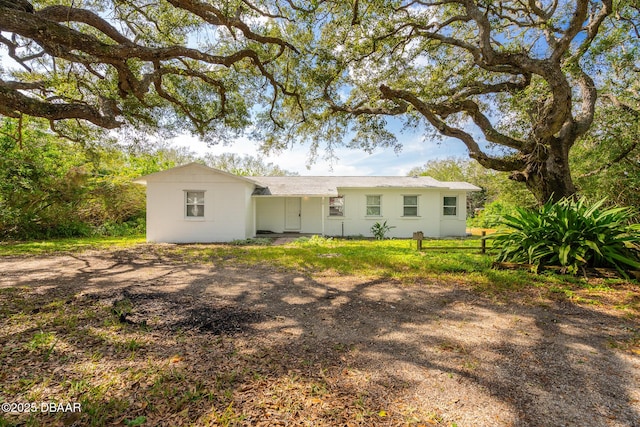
418 236
483 242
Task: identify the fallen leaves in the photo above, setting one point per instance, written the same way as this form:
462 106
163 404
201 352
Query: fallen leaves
220 351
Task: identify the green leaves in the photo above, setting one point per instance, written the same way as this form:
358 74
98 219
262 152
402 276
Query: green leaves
572 234
51 187
380 230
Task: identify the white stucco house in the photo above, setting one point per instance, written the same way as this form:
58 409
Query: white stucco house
195 203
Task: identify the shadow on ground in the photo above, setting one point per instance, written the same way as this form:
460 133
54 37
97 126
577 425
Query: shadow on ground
220 345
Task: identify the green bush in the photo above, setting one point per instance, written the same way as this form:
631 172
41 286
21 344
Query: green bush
133 227
491 215
380 231
258 241
572 234
314 240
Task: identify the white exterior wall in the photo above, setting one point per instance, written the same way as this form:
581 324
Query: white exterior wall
356 222
228 213
454 225
270 214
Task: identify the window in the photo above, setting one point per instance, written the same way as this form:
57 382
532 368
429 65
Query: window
450 206
336 206
373 206
410 206
195 204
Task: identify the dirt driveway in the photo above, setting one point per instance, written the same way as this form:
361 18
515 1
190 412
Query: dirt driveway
375 352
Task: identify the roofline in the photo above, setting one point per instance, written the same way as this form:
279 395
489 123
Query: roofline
446 185
390 187
143 179
295 195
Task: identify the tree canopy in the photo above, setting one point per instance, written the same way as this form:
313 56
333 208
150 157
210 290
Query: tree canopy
495 185
244 165
518 82
177 64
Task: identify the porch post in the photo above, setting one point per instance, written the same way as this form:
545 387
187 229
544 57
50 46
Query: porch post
253 205
322 215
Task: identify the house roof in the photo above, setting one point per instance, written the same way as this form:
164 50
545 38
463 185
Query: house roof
329 185
192 165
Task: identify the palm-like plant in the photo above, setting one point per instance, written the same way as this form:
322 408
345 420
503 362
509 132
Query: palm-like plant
380 230
573 234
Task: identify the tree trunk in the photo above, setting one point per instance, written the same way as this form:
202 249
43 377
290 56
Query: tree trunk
547 174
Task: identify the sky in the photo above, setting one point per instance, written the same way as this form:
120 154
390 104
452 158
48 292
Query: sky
351 162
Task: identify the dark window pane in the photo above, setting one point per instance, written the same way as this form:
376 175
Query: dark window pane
410 211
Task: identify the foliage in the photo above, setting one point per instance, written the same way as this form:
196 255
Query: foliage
380 230
495 185
244 165
492 214
572 234
607 161
315 240
53 187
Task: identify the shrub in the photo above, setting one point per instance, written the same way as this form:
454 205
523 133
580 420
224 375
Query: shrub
572 234
314 240
491 215
257 241
380 231
132 227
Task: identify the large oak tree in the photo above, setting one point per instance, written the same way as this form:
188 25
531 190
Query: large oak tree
516 81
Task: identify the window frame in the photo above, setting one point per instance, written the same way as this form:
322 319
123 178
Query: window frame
339 208
368 205
446 206
187 205
405 205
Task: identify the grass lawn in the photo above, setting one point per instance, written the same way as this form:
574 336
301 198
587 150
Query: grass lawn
74 336
78 244
397 260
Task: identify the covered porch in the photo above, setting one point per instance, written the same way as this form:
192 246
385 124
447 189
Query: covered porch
294 215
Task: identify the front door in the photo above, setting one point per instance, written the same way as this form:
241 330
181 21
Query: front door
292 219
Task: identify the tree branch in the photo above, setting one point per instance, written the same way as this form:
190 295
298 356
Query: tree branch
589 93
118 51
12 103
431 113
59 13
622 156
575 26
215 16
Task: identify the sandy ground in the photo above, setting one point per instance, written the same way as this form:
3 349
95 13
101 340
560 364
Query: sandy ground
467 359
